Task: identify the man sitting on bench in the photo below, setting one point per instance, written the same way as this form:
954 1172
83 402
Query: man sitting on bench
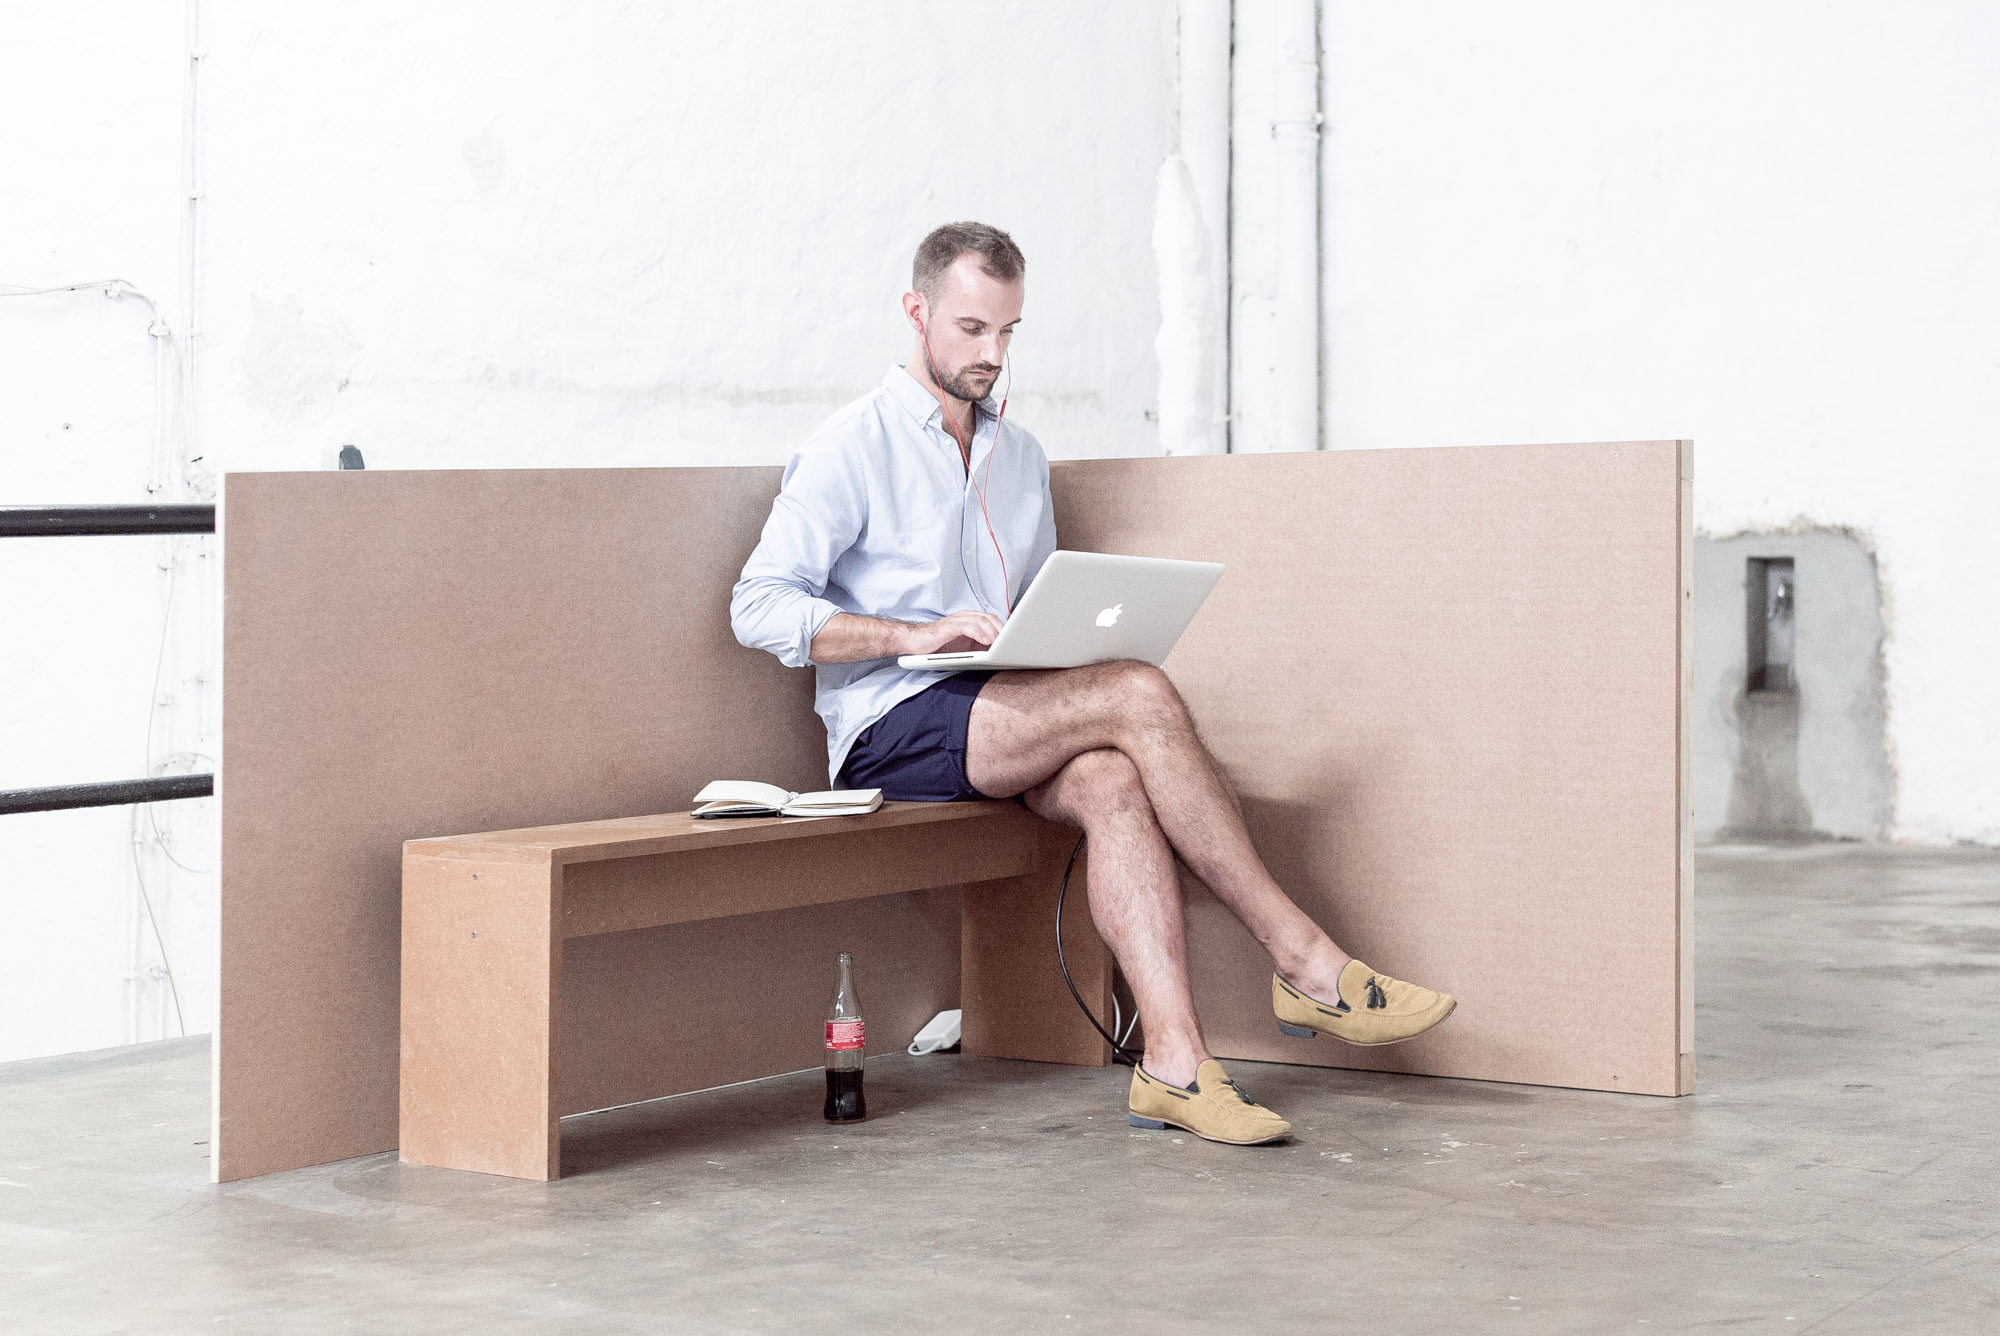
910 524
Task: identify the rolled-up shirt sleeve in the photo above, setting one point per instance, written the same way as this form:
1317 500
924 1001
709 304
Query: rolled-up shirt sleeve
779 602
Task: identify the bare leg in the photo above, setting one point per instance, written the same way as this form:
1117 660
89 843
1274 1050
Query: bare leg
1135 899
1026 726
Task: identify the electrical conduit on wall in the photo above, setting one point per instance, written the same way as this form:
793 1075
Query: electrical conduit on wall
1191 239
1189 342
1295 128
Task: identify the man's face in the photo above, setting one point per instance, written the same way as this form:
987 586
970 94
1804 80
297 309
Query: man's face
968 324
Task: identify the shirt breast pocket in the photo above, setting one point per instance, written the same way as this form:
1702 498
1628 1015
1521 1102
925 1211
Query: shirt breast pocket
902 564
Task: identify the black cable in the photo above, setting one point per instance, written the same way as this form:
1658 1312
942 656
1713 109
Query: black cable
1121 1054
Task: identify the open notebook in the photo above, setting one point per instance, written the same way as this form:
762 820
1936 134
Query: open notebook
746 797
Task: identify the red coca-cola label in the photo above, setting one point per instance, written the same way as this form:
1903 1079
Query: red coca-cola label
845 1034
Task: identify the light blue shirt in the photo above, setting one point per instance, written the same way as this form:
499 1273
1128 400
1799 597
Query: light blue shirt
878 516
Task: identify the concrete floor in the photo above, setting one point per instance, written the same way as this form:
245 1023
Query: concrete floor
1836 1173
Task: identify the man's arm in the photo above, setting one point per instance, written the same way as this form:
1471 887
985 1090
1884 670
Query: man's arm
779 603
849 638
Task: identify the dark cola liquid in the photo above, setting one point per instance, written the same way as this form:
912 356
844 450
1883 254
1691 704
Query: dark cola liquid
844 1101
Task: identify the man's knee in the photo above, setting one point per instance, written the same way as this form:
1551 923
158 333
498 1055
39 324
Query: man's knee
1141 694
1104 783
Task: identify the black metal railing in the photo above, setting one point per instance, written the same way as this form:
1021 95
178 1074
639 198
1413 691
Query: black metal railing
116 793
81 521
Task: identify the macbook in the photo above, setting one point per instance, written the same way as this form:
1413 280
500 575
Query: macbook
1089 607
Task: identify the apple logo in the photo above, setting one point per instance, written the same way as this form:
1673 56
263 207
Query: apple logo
1109 617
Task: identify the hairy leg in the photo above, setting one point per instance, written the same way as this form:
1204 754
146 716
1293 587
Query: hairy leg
1026 726
1135 898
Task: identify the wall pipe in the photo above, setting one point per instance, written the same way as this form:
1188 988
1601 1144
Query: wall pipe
79 521
1206 67
1295 127
117 793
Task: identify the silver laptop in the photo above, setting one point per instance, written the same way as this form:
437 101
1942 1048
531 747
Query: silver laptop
1088 607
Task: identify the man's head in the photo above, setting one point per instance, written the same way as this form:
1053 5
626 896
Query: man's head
966 290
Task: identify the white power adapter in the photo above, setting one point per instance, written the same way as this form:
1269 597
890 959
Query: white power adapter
940 1033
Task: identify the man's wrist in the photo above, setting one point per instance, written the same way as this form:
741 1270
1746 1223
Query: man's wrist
851 637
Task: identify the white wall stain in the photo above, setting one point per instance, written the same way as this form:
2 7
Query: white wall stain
486 159
291 362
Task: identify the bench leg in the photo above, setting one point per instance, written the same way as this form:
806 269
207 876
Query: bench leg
482 988
1012 992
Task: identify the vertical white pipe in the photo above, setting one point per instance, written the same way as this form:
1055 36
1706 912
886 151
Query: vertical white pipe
1206 43
1189 341
1295 126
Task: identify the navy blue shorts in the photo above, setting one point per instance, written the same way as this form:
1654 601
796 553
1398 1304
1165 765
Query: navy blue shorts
916 752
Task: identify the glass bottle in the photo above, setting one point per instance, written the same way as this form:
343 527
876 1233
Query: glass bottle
846 1042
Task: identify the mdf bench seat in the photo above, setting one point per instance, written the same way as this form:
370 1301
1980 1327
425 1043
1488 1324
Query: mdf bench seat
485 917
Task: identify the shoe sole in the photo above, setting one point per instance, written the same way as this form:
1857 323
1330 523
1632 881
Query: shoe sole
1300 1032
1159 1125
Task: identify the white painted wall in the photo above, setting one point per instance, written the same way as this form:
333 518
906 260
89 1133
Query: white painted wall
466 236
462 235
1768 225
675 233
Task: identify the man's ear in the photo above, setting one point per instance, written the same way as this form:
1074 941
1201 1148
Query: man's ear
916 310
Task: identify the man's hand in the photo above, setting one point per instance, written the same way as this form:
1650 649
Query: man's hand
949 635
848 638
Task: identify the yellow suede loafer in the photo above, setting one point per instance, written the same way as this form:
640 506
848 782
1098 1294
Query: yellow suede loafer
1214 1108
1372 1008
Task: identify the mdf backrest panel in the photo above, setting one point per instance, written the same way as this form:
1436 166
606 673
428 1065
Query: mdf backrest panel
414 654
1448 684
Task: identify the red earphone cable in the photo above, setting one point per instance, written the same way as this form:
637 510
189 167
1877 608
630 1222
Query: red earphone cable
979 488
1006 581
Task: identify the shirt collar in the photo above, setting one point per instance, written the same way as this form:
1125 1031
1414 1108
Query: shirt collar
919 402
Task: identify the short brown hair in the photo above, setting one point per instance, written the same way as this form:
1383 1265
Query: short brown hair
998 256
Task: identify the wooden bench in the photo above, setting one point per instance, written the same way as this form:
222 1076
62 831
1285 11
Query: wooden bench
485 918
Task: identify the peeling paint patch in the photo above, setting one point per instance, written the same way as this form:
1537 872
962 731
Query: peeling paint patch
291 363
486 159
1814 758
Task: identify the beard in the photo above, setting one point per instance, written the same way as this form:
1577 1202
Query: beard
967 381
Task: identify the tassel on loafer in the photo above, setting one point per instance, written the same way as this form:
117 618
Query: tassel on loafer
1372 1008
1214 1108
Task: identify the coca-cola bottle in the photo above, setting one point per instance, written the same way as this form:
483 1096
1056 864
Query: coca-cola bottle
846 1040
